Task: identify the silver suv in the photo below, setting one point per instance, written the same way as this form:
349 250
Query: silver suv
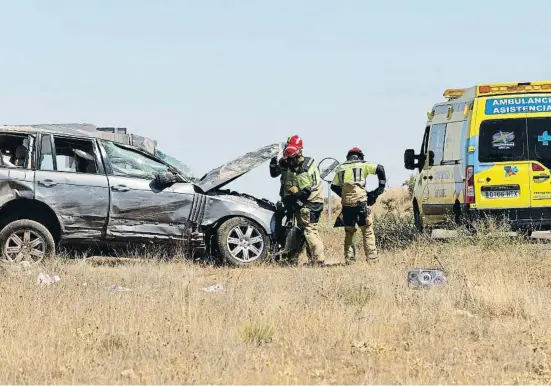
73 183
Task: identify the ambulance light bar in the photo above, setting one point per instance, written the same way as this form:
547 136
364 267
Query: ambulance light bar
514 88
454 93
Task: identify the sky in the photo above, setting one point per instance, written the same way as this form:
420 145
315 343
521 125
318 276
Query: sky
211 80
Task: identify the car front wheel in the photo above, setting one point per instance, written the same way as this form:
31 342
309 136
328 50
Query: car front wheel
242 242
26 240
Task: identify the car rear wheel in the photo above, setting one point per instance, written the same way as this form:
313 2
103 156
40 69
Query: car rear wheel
417 219
26 240
242 242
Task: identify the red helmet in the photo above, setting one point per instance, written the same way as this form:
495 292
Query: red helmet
291 151
293 147
355 151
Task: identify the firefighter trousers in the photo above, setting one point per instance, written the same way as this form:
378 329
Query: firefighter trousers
361 216
307 221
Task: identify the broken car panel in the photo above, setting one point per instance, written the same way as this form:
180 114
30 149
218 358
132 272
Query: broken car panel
228 172
139 208
73 184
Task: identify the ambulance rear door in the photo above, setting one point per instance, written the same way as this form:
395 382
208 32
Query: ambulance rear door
539 147
502 173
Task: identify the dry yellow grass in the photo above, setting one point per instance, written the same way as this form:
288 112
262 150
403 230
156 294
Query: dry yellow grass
355 324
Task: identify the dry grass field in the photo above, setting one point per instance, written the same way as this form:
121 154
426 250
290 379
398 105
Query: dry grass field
354 324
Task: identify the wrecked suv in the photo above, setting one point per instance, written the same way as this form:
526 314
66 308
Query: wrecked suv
74 184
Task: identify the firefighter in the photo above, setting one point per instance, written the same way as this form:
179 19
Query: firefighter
302 191
349 184
279 168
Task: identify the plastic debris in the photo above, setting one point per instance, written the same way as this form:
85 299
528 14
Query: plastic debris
463 313
129 373
214 288
117 287
421 277
46 279
26 264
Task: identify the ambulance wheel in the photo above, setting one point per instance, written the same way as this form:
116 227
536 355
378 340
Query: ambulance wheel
417 220
242 242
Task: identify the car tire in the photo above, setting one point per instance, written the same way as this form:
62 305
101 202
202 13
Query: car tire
242 232
417 220
12 241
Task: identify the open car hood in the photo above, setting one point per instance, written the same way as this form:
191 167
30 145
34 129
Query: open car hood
232 170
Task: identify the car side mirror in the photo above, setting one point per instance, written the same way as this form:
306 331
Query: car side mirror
165 179
415 161
431 158
409 159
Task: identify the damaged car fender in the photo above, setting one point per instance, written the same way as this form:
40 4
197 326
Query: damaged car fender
223 206
241 227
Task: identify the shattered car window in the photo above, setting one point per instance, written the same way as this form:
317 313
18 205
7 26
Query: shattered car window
184 169
129 163
14 149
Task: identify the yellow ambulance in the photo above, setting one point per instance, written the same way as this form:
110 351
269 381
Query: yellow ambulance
486 150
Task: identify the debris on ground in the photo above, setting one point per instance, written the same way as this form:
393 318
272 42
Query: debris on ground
421 277
129 373
46 279
119 288
25 265
463 313
214 288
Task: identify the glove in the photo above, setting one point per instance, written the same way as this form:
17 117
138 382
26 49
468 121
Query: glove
372 197
273 161
339 221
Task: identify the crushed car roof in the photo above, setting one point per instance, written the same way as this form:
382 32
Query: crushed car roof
85 130
77 129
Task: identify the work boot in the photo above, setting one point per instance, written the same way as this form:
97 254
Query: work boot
349 247
350 253
372 256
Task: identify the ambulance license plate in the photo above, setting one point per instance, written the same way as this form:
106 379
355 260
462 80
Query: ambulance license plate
502 194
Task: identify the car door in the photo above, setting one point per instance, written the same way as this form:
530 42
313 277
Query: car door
539 153
71 180
420 188
502 176
138 208
17 161
449 173
433 191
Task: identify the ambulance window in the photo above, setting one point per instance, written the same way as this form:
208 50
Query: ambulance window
502 140
436 144
539 140
425 142
453 141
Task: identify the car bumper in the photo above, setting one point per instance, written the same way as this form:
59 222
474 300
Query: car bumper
535 218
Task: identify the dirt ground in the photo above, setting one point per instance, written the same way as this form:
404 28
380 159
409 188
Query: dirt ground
353 324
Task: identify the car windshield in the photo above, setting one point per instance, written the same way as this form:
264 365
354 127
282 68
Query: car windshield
184 169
